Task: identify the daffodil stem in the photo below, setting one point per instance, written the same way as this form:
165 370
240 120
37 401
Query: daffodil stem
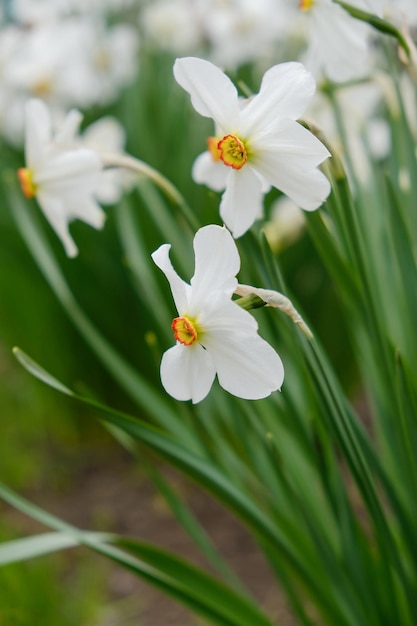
252 301
378 23
129 162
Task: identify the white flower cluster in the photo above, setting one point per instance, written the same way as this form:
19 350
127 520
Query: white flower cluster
65 53
329 42
257 143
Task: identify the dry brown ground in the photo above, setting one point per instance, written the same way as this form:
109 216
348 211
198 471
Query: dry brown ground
108 493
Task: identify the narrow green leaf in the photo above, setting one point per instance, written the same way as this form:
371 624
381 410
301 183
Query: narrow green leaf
151 402
204 586
184 582
38 545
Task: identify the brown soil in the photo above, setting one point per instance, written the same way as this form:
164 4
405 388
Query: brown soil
107 493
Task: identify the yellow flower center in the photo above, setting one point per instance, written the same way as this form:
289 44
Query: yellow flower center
305 5
26 182
232 151
185 330
42 88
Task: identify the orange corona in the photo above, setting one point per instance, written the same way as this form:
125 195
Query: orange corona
26 182
212 143
305 5
185 330
232 151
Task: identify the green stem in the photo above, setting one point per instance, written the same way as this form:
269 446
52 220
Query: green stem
378 23
140 167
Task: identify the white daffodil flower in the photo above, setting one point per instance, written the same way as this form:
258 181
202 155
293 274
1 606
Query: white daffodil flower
62 177
339 46
258 143
214 335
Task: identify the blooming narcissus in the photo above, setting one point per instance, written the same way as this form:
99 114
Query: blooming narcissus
62 176
214 335
258 143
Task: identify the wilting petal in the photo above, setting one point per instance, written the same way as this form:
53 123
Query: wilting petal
187 372
180 289
246 365
212 92
241 203
208 172
285 92
217 262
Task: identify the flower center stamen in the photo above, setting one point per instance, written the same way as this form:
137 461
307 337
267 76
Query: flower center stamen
305 5
185 330
232 151
26 182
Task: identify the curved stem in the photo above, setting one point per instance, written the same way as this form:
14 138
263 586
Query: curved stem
114 159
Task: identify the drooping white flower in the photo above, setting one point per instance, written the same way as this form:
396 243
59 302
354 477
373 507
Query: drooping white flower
258 143
62 177
214 335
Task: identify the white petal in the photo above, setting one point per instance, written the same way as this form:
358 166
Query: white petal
68 132
246 365
37 132
241 203
295 144
54 211
285 92
308 189
224 317
217 262
106 134
212 92
85 209
180 289
71 170
187 372
208 172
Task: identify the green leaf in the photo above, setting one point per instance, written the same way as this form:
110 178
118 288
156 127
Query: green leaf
38 545
186 583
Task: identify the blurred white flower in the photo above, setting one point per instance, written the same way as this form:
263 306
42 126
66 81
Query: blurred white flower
214 335
107 135
62 178
35 11
242 31
338 45
78 61
364 134
285 225
258 142
173 25
401 11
